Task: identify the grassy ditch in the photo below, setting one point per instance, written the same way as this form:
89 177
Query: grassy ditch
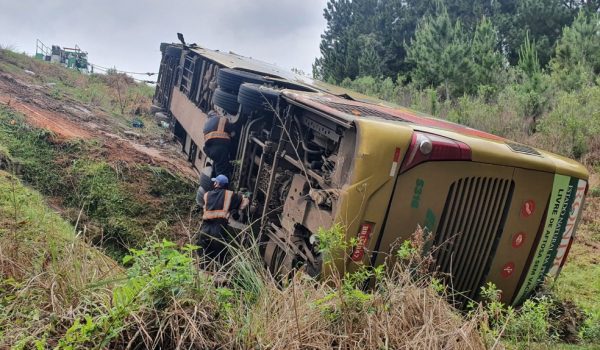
64 294
116 204
47 274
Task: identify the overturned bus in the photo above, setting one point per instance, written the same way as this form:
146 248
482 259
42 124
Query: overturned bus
314 155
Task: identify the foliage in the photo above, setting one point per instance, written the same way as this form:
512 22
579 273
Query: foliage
391 24
46 272
590 332
369 61
440 54
533 84
530 323
33 152
159 274
331 240
574 121
538 20
577 58
106 198
487 61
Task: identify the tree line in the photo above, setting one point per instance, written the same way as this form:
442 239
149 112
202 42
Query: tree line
438 41
443 56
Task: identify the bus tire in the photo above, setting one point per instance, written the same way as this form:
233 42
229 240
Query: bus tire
253 97
226 100
231 79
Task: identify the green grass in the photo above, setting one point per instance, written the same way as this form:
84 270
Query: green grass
46 271
580 278
33 153
118 203
580 281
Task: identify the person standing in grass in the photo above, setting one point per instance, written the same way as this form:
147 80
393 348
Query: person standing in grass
219 203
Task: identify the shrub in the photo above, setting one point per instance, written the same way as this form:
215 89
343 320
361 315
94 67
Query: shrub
573 122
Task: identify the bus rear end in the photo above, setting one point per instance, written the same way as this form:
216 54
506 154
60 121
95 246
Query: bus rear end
491 210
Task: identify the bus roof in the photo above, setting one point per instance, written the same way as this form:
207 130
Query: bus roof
235 61
345 104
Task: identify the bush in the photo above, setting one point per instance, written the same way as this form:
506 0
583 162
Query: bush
573 122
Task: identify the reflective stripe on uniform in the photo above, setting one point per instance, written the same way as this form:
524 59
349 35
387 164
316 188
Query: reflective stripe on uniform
220 132
220 213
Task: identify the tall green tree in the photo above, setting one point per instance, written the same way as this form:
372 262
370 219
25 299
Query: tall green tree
331 66
577 59
369 60
390 22
533 85
487 60
392 25
542 20
440 54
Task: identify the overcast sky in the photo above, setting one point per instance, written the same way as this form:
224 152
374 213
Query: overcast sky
127 34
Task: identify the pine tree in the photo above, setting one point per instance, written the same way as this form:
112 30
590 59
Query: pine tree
487 59
529 62
334 42
533 87
580 44
440 54
369 61
541 19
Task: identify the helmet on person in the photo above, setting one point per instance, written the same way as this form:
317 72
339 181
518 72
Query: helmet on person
222 180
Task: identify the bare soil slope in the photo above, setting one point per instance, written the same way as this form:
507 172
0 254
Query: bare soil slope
68 118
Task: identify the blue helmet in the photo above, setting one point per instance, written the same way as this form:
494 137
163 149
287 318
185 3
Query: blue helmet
222 180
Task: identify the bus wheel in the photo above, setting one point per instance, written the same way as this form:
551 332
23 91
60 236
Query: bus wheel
260 98
231 79
281 262
226 101
284 255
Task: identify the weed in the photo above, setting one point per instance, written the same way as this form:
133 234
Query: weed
590 331
406 251
160 276
46 272
331 240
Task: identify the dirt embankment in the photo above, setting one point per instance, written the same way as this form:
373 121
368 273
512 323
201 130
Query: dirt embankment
69 119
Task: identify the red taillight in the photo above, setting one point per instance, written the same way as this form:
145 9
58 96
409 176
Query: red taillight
426 147
362 241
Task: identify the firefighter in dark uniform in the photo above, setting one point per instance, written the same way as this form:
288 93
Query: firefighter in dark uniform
217 141
218 205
